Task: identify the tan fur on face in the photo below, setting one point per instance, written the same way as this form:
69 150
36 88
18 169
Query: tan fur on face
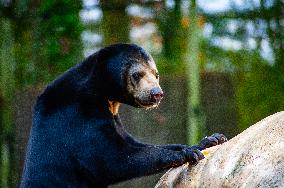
113 107
141 90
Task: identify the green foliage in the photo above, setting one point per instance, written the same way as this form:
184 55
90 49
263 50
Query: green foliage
47 38
59 35
7 88
116 23
173 27
259 93
37 42
170 66
196 119
259 84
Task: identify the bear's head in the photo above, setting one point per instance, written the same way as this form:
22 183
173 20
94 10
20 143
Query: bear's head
130 76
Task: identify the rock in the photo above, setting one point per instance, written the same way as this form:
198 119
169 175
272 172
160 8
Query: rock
254 158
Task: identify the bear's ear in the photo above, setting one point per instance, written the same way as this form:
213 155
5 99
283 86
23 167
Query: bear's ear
108 53
104 54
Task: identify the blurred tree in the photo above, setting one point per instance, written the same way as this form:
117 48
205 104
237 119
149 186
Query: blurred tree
260 92
181 39
51 45
171 30
58 37
115 23
196 119
39 39
173 26
8 164
259 82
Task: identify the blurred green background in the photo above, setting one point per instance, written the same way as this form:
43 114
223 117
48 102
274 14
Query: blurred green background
221 64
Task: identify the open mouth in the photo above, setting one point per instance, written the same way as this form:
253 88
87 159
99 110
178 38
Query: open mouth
147 104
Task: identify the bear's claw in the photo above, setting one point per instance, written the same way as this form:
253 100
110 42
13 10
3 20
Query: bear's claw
213 140
193 156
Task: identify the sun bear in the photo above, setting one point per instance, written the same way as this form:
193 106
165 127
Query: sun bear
77 138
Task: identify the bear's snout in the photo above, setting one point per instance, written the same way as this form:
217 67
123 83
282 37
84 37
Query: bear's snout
156 94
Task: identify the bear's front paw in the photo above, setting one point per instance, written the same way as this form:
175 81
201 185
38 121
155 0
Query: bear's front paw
213 140
192 156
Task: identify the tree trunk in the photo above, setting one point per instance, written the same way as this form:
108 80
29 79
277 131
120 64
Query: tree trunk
115 23
196 118
7 64
254 158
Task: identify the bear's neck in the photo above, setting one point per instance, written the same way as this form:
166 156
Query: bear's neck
113 107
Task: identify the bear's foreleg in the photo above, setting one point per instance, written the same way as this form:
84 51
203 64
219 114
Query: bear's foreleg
151 159
207 142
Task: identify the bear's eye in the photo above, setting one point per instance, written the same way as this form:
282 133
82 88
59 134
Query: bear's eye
137 75
157 76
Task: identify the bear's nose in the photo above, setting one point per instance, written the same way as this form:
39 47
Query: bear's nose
156 94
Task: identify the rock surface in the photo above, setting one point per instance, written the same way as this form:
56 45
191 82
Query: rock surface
254 158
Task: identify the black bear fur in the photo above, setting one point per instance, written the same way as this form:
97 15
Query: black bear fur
75 140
